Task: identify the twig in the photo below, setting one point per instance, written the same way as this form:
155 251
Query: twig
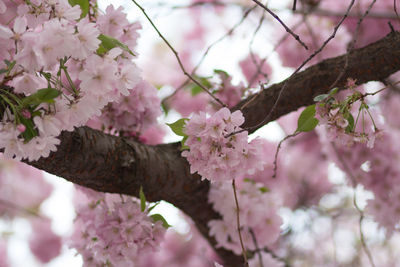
354 183
260 64
253 236
395 9
316 52
294 5
277 152
177 56
246 264
281 22
228 33
352 44
332 13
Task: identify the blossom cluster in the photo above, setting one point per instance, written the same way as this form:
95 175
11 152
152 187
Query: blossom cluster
60 67
22 191
257 213
217 151
177 250
193 99
336 115
110 231
135 112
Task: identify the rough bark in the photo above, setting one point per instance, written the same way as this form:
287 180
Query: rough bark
374 62
114 164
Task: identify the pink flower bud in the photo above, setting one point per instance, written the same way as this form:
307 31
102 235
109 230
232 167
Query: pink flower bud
26 114
21 128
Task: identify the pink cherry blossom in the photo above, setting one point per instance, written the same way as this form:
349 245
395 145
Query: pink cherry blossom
44 244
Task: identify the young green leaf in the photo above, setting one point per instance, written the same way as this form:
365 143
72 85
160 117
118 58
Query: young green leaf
306 121
350 120
333 91
196 90
108 43
221 72
264 189
45 95
155 205
319 98
30 130
142 199
177 127
158 217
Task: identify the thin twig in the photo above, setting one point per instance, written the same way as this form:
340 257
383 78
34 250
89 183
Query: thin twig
277 152
177 56
253 236
294 5
246 264
295 36
352 44
228 33
332 13
260 64
316 52
354 183
395 10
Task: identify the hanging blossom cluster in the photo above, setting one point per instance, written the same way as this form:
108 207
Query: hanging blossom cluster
110 231
257 212
60 65
26 188
336 115
135 112
215 152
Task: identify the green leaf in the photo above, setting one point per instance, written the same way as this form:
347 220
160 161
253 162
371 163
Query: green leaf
264 189
177 127
333 91
350 120
165 108
3 71
158 217
319 98
46 75
30 130
84 4
45 95
306 121
248 180
196 90
142 199
155 205
221 72
108 43
204 81
10 66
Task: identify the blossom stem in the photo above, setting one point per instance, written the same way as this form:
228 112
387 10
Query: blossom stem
246 264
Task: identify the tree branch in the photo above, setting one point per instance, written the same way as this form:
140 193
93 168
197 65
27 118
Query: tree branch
116 165
374 62
113 164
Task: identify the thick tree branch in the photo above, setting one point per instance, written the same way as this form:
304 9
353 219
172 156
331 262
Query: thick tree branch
113 164
374 62
116 165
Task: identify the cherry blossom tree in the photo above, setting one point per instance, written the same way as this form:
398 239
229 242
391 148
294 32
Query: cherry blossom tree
77 101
